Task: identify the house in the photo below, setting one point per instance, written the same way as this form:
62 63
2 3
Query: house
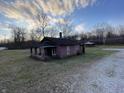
56 48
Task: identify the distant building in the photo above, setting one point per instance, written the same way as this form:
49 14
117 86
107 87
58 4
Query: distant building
89 44
50 48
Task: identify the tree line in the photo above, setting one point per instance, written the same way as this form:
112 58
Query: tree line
105 34
101 33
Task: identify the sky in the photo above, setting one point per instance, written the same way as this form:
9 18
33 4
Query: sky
85 14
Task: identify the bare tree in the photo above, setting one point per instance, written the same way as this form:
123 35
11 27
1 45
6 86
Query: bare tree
43 23
121 30
65 26
19 34
52 32
33 35
101 31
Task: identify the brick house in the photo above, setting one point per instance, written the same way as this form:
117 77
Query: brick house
56 48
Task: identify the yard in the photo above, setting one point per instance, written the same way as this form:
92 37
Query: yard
21 74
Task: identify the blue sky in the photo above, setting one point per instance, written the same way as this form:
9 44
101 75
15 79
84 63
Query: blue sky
85 13
108 11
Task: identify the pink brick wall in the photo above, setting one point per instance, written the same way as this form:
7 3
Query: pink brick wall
62 51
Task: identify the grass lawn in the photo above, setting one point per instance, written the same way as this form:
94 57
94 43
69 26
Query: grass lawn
112 46
21 74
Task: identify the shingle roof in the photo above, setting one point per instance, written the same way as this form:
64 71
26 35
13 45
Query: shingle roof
35 44
59 41
53 42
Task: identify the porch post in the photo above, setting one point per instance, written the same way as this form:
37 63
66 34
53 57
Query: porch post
35 51
83 49
31 50
43 52
39 51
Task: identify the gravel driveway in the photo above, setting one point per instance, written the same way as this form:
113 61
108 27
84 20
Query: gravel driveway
103 76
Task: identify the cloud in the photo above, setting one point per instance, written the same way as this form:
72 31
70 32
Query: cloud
25 11
1 37
4 28
3 25
62 7
79 29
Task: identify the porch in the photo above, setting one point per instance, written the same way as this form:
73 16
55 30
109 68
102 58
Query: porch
44 52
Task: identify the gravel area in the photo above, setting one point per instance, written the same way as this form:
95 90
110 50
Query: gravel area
103 76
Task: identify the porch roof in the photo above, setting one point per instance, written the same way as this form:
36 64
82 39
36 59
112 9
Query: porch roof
48 46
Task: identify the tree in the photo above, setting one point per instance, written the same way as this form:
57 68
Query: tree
42 22
51 32
102 30
19 34
65 26
121 30
33 35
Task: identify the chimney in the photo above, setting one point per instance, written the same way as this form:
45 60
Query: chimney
60 34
